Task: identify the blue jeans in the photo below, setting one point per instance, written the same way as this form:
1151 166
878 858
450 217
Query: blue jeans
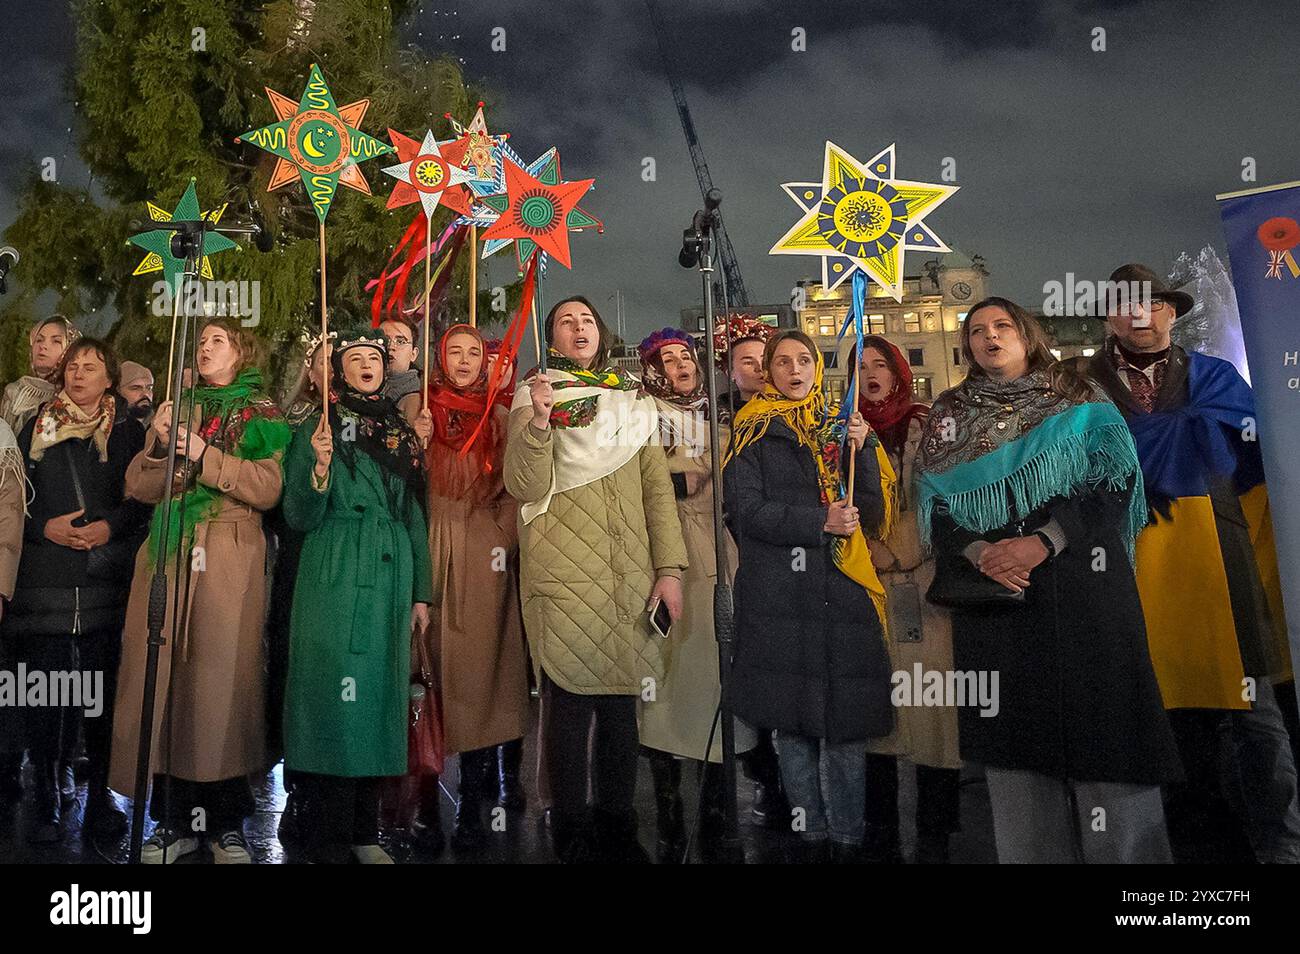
828 781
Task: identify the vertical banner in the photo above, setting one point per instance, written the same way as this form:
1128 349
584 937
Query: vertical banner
1262 227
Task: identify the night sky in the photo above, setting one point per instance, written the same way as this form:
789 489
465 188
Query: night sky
1069 160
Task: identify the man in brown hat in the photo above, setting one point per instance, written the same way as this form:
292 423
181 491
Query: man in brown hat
1214 629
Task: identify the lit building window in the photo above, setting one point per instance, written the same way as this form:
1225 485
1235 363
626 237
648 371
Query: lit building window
826 325
876 324
961 317
1056 353
921 387
768 319
1089 352
911 321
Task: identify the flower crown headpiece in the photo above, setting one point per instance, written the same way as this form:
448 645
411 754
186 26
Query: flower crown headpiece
312 341
742 328
661 338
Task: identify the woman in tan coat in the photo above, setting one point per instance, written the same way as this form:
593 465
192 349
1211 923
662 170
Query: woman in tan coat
476 636
209 729
920 633
678 722
600 544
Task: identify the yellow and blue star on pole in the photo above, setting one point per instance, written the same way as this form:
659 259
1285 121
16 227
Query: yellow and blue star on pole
861 218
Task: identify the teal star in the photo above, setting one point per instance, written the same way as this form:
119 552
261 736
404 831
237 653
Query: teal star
158 243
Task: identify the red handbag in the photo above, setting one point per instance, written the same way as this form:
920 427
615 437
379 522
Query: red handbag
426 750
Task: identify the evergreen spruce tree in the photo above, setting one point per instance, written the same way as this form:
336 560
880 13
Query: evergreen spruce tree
162 88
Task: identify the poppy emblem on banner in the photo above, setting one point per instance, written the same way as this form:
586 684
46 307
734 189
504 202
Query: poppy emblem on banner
1278 236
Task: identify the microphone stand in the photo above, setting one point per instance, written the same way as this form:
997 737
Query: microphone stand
186 243
703 228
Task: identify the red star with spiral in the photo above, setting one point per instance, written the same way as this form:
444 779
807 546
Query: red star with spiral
538 211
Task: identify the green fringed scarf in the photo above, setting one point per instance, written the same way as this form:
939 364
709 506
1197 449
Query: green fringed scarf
238 419
987 477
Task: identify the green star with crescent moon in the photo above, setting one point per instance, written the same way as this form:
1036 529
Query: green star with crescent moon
158 243
317 142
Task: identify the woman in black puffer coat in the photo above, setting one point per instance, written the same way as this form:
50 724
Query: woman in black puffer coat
79 548
810 656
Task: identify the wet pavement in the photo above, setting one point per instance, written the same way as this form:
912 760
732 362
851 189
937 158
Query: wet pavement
525 839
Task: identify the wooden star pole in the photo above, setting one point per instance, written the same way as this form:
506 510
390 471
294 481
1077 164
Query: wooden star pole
473 276
428 284
324 328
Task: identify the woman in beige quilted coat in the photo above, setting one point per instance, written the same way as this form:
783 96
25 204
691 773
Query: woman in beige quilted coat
599 541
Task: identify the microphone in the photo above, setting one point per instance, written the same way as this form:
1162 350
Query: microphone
8 258
693 238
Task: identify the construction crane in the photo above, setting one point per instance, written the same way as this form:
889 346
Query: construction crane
735 286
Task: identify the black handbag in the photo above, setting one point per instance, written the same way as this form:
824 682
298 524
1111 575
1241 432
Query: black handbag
958 584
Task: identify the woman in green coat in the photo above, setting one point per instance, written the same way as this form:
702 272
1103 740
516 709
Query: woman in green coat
363 590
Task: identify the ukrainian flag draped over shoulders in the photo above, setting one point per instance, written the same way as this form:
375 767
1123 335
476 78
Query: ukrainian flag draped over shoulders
1191 626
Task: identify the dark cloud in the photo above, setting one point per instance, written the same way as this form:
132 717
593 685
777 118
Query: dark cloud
1068 159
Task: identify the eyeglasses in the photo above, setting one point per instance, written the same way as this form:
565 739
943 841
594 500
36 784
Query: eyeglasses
1137 309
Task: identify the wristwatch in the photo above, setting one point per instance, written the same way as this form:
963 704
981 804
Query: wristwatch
1047 542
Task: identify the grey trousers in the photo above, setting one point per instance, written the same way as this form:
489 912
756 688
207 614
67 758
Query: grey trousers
1038 819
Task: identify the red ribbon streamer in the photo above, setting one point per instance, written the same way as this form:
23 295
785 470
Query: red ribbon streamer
510 343
412 241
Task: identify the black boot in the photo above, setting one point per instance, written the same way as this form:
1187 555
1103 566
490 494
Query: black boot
932 848
293 820
469 836
46 819
427 827
770 808
713 812
670 826
842 854
880 846
572 838
103 819
616 840
510 793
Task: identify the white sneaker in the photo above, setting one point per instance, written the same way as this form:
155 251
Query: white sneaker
229 848
372 855
166 846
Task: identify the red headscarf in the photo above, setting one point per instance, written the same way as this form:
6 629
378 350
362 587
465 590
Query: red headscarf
891 417
456 414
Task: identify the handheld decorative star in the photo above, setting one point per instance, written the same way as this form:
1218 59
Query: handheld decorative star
538 210
318 141
427 175
158 243
479 152
859 217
